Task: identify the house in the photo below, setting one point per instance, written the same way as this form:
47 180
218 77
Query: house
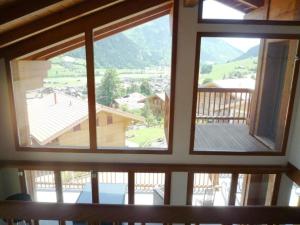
64 122
156 103
130 101
233 168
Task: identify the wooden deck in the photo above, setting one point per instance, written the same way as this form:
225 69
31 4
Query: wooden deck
226 137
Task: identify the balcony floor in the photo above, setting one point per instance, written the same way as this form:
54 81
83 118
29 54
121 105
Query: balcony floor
226 137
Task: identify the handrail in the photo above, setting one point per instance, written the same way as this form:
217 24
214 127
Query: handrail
142 167
223 105
216 89
93 213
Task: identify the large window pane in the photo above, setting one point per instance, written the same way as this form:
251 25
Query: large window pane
132 73
41 185
244 86
76 187
211 189
256 10
51 100
149 188
255 189
113 188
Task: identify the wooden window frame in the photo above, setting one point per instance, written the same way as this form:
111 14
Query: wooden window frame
88 42
94 183
276 152
245 21
233 187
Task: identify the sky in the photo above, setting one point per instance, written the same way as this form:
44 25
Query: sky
216 10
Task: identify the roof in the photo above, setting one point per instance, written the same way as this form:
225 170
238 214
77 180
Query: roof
161 96
132 101
53 114
233 83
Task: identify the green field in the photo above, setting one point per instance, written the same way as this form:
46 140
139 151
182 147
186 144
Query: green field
220 71
145 136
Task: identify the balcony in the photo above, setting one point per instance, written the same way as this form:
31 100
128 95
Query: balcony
222 121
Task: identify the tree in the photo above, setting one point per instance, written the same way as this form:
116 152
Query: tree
110 88
148 115
133 88
206 68
145 88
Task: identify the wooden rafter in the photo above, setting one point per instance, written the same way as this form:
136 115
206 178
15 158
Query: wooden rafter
52 20
108 15
22 8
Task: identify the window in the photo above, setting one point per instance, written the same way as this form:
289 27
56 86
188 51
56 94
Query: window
149 188
54 105
211 189
255 189
41 185
113 187
241 94
76 187
132 68
51 100
275 10
109 119
295 196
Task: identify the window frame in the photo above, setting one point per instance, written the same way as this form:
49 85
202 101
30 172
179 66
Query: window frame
88 43
94 182
233 186
245 21
296 70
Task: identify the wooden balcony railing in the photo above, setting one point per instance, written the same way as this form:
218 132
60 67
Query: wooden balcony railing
117 214
223 105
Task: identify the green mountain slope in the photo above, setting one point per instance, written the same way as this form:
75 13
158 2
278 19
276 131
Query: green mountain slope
147 45
216 50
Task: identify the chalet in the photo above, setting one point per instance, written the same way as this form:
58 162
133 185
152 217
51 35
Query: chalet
156 103
65 122
232 153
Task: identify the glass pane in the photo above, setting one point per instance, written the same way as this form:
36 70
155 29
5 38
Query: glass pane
211 189
113 188
132 73
256 10
41 185
76 187
255 189
51 100
149 188
295 196
234 73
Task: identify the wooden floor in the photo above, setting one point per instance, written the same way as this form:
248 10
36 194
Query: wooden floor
226 137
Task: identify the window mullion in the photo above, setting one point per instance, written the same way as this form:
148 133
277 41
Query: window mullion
91 88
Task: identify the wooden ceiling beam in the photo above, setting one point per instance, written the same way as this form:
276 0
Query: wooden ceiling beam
108 15
52 20
23 8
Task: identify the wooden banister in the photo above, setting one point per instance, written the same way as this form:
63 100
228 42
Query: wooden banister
154 214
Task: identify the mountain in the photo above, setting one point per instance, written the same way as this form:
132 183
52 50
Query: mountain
216 50
147 45
252 52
